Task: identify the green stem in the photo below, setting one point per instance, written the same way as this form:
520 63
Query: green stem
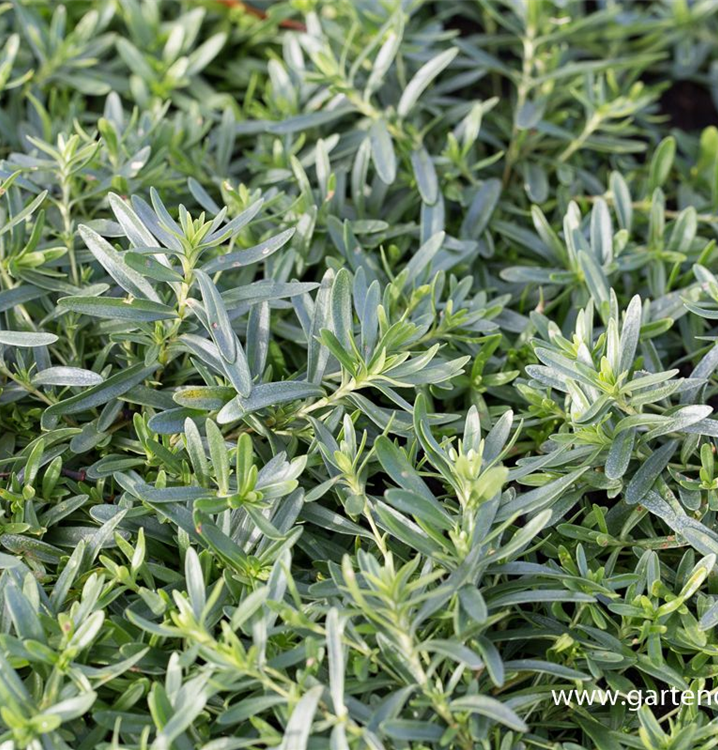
589 129
522 92
67 228
331 399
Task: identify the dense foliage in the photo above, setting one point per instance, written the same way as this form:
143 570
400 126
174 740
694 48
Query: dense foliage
357 364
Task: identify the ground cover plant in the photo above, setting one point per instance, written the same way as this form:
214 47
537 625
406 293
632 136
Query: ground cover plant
358 373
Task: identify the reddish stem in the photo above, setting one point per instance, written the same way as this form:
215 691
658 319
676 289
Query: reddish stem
287 23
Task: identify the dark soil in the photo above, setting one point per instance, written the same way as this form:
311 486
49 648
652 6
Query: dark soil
689 106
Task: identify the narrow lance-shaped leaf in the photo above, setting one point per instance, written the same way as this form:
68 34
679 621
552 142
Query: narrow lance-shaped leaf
138 234
114 264
421 80
220 326
601 232
63 376
266 395
649 471
341 310
335 648
98 395
26 339
425 175
382 151
255 254
112 308
23 213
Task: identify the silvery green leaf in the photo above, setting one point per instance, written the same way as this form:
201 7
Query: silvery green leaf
548 376
710 618
406 531
679 420
619 454
649 381
481 209
601 233
149 266
220 327
540 498
195 583
630 333
489 652
382 151
382 62
113 308
23 614
195 451
684 231
255 254
396 465
73 708
26 339
425 175
219 455
65 580
539 595
552 245
204 349
421 80
266 290
138 234
202 196
233 227
421 507
312 120
662 162
491 708
472 431
10 298
87 631
524 536
299 726
21 215
208 398
62 376
114 386
454 651
335 649
203 55
545 667
156 219
622 200
702 371
258 338
172 421
649 471
421 260
114 264
341 309
473 602
412 730
244 709
536 183
704 427
498 435
265 395
189 703
238 371
595 278
570 370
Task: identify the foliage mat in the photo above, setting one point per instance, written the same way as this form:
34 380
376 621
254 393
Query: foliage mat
358 367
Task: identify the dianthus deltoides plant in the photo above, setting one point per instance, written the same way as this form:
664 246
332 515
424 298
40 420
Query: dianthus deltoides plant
358 361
